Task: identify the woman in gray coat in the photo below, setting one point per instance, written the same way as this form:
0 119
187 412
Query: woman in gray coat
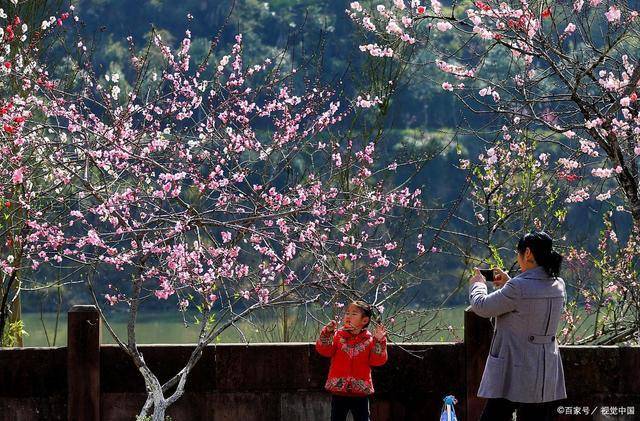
523 372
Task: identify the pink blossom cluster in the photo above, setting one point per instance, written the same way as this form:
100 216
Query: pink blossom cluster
204 188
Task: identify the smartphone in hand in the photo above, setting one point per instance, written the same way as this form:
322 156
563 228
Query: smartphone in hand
488 274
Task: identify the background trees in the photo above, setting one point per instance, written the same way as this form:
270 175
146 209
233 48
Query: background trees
556 84
231 188
224 175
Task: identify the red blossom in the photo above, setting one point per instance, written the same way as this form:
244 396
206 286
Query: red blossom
633 97
9 33
19 119
546 13
421 9
3 110
7 64
515 24
9 129
482 6
7 204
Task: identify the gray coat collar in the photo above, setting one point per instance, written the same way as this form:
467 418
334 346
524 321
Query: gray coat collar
537 272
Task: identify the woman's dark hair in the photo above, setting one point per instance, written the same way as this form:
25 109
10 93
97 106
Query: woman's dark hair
364 307
541 245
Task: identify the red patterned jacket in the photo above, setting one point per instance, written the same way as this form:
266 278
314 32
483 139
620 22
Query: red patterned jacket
352 357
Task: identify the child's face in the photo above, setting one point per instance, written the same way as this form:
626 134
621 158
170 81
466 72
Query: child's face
354 319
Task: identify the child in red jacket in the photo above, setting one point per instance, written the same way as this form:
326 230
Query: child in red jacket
353 351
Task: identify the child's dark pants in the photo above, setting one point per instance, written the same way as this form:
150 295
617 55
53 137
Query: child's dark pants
341 405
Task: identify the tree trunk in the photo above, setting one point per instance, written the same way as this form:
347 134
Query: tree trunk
158 412
14 312
16 316
155 397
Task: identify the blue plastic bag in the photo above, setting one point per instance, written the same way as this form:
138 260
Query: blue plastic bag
448 413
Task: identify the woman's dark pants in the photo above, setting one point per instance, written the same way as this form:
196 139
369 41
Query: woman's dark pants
499 409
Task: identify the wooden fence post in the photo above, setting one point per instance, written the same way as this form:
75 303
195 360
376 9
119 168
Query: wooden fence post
83 363
477 340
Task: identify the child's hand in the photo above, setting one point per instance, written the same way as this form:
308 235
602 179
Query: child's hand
380 332
331 326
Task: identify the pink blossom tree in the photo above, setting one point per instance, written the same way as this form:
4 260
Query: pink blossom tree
227 187
34 193
555 85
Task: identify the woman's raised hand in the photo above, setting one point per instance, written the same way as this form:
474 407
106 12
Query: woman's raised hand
500 277
477 277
